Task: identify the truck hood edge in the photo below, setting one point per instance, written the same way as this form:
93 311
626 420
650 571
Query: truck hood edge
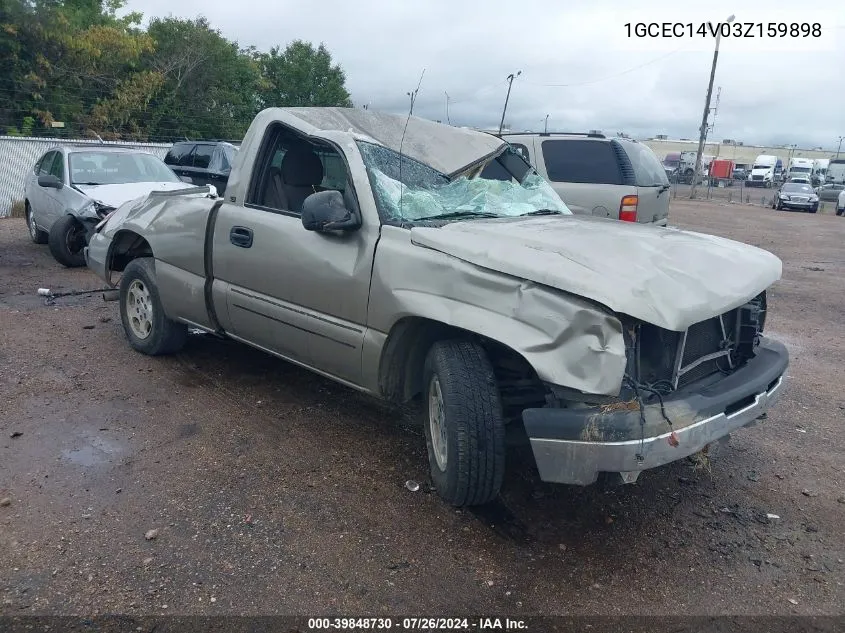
666 277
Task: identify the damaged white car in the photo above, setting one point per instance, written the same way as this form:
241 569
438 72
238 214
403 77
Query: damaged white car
72 188
366 247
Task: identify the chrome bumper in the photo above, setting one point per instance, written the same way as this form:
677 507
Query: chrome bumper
578 462
572 446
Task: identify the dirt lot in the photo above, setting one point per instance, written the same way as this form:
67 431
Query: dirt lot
275 491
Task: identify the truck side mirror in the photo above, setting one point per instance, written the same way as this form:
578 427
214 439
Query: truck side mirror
327 211
50 182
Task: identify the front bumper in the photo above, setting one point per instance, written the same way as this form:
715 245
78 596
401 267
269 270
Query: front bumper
799 206
572 446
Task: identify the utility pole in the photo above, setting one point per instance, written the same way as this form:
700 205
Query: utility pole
448 120
510 79
703 129
840 146
546 125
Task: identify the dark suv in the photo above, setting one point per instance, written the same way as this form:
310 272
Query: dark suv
202 162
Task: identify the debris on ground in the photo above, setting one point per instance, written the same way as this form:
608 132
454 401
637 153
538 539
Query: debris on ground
151 534
772 517
809 493
5 501
412 485
15 434
793 601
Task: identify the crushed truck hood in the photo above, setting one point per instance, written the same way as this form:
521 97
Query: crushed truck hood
116 195
666 277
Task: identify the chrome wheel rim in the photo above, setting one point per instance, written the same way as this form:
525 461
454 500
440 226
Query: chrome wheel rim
437 423
139 309
33 229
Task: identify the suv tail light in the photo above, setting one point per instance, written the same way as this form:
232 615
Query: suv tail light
628 209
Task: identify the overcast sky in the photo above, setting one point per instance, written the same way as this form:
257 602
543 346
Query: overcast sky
773 91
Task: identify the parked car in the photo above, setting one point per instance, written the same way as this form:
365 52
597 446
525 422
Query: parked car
829 192
604 177
740 173
796 195
70 189
203 162
801 180
366 247
840 203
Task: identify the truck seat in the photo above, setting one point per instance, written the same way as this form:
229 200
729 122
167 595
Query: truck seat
302 173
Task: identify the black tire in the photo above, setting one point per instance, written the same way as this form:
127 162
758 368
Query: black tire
814 210
473 424
66 240
163 335
840 211
36 235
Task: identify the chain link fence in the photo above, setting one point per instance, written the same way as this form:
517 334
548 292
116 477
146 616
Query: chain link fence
18 155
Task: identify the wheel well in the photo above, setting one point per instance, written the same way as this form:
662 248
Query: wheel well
403 358
126 246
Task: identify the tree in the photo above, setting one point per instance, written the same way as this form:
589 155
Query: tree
209 84
62 57
302 76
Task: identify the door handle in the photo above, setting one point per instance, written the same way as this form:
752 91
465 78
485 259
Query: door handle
241 236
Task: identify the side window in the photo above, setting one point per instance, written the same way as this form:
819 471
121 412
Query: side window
187 159
58 167
582 161
288 169
334 171
202 156
177 153
45 163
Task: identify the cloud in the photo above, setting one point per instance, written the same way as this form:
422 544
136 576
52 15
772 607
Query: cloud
786 90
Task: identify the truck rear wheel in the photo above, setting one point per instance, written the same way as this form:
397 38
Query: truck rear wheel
464 425
146 326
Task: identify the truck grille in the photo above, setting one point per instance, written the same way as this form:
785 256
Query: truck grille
719 344
756 177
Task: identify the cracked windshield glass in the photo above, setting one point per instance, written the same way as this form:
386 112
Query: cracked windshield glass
417 192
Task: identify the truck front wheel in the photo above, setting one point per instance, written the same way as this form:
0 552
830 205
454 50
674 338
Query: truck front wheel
146 326
464 425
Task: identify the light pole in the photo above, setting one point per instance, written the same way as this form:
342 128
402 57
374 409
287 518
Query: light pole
510 78
448 120
840 146
546 125
703 131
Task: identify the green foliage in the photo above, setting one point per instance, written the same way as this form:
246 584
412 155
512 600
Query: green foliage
302 76
77 62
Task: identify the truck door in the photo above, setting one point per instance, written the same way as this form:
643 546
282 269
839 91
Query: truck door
300 294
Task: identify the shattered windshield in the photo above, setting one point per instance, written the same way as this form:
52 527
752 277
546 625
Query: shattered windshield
417 192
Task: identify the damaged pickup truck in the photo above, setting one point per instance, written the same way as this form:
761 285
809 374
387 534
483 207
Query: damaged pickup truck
366 247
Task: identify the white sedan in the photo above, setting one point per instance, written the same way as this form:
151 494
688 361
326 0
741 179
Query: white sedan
840 203
71 189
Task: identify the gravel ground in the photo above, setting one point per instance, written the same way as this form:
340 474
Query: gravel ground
271 490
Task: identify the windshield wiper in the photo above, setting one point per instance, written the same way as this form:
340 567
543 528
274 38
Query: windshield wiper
541 212
92 184
459 214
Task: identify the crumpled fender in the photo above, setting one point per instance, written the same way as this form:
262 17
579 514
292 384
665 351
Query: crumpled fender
568 340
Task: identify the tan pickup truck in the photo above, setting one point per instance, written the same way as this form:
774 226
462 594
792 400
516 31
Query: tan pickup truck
366 247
